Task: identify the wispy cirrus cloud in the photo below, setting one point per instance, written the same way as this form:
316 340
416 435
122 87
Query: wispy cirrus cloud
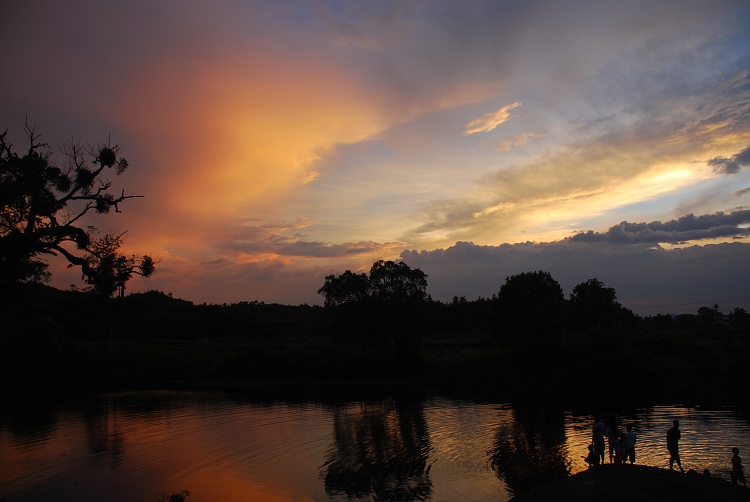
295 247
605 163
490 121
517 140
253 237
308 177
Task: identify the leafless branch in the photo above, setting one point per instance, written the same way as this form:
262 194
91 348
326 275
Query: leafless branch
31 134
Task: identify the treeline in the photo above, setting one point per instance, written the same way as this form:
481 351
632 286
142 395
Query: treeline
158 315
59 340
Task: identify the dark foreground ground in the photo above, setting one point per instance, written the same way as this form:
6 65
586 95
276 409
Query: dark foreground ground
630 483
62 342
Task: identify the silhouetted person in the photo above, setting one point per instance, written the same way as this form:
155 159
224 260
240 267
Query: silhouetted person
629 444
738 474
597 437
620 456
593 457
613 436
673 445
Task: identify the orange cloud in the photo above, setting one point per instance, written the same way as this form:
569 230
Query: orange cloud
242 130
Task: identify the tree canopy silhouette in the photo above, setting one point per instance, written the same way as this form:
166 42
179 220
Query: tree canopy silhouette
42 210
530 305
709 315
593 304
384 310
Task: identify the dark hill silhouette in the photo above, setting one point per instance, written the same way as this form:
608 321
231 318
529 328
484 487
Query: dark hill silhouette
618 483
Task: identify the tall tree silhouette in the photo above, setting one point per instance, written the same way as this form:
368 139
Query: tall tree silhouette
529 308
42 210
383 311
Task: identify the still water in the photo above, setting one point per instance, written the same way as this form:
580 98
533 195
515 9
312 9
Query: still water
138 446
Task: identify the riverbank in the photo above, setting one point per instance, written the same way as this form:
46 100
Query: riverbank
467 366
628 483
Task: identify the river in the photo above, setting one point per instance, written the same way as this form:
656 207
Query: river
138 446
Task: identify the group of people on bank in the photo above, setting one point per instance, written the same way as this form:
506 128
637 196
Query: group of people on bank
622 448
621 444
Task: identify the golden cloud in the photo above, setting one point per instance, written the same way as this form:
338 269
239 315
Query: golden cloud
489 121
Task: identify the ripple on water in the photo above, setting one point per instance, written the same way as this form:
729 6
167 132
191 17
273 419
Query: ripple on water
134 446
708 436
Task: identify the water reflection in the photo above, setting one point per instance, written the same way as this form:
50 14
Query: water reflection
103 436
380 449
31 423
708 436
530 450
136 446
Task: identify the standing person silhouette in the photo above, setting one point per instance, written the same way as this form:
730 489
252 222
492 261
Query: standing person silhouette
673 445
738 474
629 444
613 434
597 437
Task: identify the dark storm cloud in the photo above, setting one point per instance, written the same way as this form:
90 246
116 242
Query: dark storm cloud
733 164
686 228
647 279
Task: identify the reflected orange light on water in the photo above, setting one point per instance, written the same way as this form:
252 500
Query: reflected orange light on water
708 437
235 486
137 446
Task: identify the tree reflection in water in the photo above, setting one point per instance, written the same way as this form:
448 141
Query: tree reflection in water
380 450
530 450
103 435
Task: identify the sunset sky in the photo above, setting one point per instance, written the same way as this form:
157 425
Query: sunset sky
277 142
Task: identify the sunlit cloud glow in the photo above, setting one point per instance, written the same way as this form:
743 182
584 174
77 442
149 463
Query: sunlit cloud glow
276 143
490 121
